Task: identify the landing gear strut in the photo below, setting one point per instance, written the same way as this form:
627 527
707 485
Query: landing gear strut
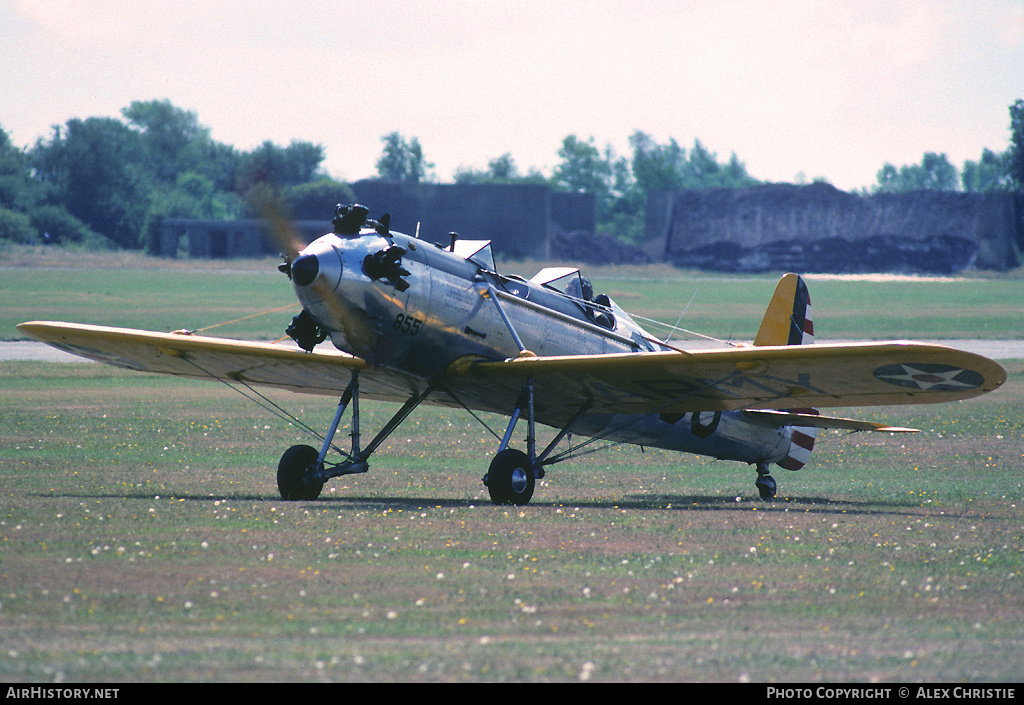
301 473
512 475
765 483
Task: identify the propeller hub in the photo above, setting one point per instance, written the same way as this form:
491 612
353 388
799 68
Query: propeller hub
305 269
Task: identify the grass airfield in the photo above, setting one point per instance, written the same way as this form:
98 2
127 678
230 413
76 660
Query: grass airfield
142 537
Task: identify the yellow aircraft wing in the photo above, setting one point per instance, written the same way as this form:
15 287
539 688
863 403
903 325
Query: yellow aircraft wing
768 377
204 357
771 377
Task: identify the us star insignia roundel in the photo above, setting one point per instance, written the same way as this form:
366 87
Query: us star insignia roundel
927 376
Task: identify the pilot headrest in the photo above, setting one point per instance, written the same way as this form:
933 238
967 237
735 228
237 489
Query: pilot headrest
588 289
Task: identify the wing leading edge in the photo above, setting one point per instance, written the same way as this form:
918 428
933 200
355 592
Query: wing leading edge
769 378
220 358
773 377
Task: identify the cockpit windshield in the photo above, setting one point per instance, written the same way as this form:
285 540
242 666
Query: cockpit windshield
477 251
567 280
570 281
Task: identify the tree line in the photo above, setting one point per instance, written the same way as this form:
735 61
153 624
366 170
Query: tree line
111 181
992 172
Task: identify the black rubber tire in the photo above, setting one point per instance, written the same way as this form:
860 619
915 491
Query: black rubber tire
291 471
766 487
510 479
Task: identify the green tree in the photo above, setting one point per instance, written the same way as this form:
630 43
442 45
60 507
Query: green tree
14 183
934 173
402 160
94 169
623 213
503 168
55 225
702 168
1015 160
172 139
192 196
15 227
657 167
1015 154
16 190
298 163
938 173
582 168
500 170
887 179
174 142
669 167
27 217
316 200
987 174
195 196
609 178
120 178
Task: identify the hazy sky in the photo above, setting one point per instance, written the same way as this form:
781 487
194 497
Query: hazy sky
829 88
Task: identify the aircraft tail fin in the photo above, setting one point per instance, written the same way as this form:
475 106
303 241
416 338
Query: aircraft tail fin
788 321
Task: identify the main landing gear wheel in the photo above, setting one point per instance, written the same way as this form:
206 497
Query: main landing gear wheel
765 483
291 474
510 478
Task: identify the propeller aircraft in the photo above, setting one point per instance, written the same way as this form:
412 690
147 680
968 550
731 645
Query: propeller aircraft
416 323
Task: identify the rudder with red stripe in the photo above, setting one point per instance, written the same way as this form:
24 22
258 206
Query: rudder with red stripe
788 321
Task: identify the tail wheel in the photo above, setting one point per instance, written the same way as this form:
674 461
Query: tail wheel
765 483
292 471
510 479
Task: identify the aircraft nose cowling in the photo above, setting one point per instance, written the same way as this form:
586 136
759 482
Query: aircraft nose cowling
304 269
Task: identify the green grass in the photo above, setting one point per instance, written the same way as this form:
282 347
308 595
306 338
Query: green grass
142 538
731 307
137 292
152 300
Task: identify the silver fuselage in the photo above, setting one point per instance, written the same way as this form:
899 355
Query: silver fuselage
447 312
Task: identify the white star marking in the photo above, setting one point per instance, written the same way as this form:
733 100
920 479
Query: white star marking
926 380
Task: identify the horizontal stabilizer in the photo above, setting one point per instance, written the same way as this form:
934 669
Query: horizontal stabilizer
784 418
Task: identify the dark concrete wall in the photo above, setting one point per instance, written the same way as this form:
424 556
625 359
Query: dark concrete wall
514 217
518 219
818 228
229 238
574 211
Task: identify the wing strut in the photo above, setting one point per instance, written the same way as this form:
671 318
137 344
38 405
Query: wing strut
356 459
493 296
512 474
573 450
559 436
